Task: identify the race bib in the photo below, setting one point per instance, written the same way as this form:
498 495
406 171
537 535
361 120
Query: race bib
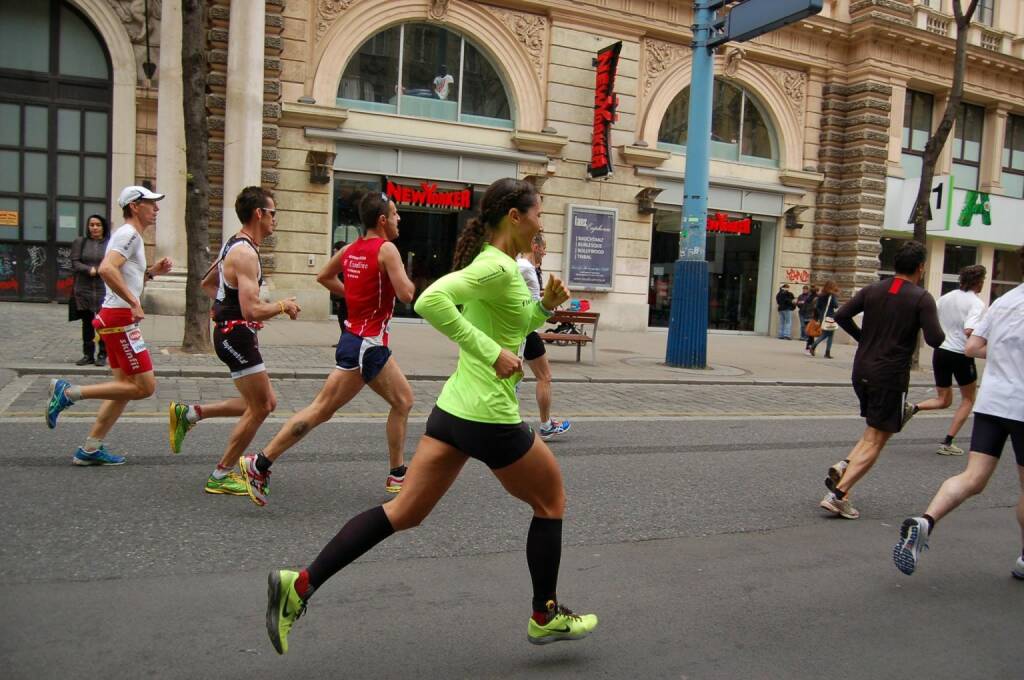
135 339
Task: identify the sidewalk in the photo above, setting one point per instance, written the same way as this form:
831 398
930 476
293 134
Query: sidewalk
38 339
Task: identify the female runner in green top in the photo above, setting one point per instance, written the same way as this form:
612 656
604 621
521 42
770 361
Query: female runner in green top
476 416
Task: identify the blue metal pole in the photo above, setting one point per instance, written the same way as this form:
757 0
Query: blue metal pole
688 318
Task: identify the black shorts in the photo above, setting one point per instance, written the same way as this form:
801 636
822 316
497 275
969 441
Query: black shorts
947 365
881 407
239 349
497 445
533 348
990 433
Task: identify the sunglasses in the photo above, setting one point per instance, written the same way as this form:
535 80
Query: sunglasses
270 211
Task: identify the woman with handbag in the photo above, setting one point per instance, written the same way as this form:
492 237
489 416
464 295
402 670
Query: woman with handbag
88 291
827 305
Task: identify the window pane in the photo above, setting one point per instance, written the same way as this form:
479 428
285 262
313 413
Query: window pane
95 177
25 35
972 133
431 62
1013 185
483 93
957 257
37 120
372 74
725 114
1017 162
68 175
7 231
757 136
100 209
35 220
674 124
908 116
35 173
69 130
965 176
922 121
912 165
9 171
80 52
96 131
69 220
887 258
10 124
1006 267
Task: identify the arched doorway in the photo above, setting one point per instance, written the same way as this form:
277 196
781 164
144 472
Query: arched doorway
55 109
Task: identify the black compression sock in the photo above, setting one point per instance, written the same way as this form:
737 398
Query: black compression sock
931 522
948 440
839 494
543 557
263 463
399 471
359 534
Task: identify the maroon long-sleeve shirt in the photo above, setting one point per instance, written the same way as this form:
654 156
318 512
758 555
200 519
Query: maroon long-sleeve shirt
894 311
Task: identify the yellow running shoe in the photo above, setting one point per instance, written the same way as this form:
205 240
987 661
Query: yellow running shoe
233 485
284 607
562 624
177 424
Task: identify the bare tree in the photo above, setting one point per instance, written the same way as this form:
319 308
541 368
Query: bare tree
196 338
922 210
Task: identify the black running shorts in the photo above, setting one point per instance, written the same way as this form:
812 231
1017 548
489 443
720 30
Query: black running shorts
239 349
497 445
948 365
534 347
990 433
881 407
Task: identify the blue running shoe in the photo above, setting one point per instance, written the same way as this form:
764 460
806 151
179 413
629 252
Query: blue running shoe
554 428
101 456
58 401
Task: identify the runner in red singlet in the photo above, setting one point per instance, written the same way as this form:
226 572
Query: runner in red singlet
373 276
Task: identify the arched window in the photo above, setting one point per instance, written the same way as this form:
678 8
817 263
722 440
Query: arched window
425 71
740 129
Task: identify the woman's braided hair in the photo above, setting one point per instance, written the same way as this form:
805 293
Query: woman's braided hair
500 197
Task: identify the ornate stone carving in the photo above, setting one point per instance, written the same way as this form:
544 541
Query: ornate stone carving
794 84
438 10
327 11
530 30
132 14
658 57
732 60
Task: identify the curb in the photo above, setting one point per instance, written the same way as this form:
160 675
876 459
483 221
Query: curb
319 374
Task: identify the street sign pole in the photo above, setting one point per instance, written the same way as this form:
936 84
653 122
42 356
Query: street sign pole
688 318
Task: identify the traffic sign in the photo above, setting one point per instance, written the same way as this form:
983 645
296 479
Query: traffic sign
752 18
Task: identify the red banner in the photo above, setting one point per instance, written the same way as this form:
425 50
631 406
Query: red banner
721 222
605 103
428 195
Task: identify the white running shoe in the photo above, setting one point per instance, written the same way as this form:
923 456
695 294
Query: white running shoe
1018 568
913 539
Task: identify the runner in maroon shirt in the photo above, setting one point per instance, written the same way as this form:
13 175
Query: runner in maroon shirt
895 310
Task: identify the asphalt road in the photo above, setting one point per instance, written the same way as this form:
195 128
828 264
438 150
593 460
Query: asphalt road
698 542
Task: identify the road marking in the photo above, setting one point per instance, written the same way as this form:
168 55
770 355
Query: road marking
15 389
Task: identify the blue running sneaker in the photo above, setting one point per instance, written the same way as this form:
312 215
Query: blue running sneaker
554 428
101 456
913 539
58 401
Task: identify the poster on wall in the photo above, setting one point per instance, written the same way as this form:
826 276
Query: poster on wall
590 248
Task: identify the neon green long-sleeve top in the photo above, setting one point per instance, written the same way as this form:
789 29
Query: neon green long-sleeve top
497 313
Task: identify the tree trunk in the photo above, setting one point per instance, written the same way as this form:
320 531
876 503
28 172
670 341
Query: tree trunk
937 141
197 203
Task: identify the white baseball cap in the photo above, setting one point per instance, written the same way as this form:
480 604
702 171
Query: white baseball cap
135 193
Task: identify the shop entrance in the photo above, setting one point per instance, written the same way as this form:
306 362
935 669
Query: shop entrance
426 241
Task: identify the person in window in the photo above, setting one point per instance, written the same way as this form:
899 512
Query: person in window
443 83
88 291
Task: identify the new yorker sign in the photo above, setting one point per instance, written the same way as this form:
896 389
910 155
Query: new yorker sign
605 103
428 195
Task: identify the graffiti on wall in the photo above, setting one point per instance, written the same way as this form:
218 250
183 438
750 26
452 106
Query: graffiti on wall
798 275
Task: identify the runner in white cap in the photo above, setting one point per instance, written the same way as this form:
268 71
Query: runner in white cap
124 272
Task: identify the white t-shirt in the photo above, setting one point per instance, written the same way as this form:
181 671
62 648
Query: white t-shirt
1002 388
128 242
959 309
442 84
529 272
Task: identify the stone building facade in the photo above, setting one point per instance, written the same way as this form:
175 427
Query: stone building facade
817 127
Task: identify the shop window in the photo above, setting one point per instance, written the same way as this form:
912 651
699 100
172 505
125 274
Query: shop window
887 258
957 257
425 71
970 124
740 129
1013 157
917 128
1006 272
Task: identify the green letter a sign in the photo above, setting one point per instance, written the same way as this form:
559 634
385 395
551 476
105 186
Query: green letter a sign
976 203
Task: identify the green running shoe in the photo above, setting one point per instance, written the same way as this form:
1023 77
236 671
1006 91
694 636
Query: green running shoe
562 625
233 485
177 424
284 607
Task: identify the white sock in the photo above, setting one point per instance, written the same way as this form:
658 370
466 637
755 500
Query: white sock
192 416
220 473
73 392
92 444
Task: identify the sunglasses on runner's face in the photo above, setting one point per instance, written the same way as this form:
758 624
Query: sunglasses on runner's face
270 211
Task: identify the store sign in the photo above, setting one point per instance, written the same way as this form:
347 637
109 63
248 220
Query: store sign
590 251
721 222
9 218
605 103
426 194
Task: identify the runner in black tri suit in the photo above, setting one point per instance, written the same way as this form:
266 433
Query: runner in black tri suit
234 283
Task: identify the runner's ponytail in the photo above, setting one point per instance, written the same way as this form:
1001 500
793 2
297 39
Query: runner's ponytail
499 199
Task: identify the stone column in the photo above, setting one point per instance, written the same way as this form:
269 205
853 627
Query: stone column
166 294
990 179
243 116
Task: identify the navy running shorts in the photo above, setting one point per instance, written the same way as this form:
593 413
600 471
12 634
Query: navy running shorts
363 354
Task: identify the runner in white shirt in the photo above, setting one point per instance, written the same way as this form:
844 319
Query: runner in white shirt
960 311
124 272
533 348
998 416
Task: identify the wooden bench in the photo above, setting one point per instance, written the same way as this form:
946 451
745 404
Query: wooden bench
585 322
